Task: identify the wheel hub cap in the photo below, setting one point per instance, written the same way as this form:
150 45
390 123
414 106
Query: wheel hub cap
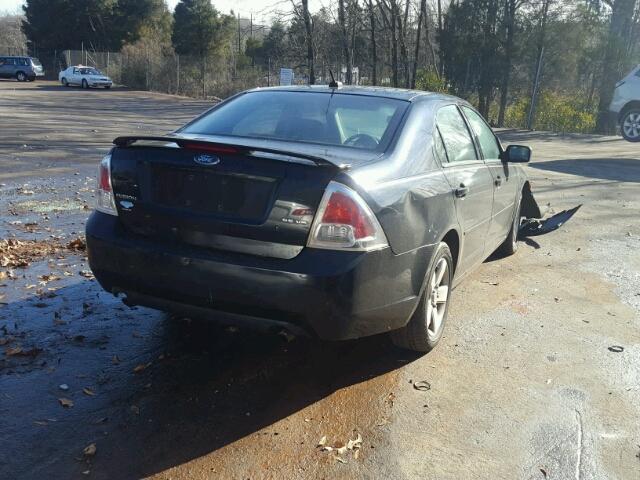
437 301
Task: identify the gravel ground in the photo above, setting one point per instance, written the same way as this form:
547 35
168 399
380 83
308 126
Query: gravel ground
524 385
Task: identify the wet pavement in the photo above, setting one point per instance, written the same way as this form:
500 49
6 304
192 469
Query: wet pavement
524 384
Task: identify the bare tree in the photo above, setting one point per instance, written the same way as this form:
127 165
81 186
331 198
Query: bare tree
374 46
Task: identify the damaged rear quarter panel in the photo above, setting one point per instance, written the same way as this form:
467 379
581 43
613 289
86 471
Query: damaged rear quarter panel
407 189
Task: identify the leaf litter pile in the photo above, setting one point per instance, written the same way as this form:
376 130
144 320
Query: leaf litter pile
21 253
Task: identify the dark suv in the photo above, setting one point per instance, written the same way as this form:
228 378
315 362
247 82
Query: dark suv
21 68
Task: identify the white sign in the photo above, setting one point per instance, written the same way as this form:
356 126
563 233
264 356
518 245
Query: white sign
286 76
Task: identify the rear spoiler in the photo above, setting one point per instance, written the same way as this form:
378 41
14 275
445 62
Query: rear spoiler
217 147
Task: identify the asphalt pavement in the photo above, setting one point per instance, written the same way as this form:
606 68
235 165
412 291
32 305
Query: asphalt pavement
536 377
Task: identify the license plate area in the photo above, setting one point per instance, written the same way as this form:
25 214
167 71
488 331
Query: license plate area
226 194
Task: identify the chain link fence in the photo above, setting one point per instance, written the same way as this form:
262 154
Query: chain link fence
153 70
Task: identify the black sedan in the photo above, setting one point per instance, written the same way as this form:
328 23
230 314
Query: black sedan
342 212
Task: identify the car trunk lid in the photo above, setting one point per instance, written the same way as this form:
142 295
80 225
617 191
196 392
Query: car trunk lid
258 201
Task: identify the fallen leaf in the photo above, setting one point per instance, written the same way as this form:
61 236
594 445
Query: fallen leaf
77 244
340 459
88 391
89 450
322 442
141 368
63 386
9 352
115 360
65 402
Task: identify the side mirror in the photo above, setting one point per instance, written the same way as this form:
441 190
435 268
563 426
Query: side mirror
516 154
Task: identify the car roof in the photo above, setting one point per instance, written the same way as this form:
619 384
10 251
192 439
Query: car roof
384 92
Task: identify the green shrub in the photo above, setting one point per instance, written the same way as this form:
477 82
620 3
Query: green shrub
555 112
429 81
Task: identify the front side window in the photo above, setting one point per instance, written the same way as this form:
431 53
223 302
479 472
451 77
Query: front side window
324 118
23 62
455 135
484 134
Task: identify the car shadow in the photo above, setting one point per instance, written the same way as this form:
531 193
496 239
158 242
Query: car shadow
614 169
161 391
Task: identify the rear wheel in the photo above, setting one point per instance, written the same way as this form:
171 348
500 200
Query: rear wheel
21 76
64 82
424 330
630 125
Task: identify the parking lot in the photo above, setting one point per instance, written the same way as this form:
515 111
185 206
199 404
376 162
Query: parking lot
536 377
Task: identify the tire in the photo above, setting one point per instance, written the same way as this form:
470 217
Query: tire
510 244
424 331
630 125
21 77
64 82
85 84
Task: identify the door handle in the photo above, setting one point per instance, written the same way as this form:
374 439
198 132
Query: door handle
462 191
498 181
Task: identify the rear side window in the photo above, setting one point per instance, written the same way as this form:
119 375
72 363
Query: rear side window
324 118
455 135
23 62
484 134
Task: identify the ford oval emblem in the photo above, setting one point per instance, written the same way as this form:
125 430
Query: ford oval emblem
206 160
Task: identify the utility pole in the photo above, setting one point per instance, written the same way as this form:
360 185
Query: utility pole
534 94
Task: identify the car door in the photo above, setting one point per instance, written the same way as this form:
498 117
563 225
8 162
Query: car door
7 67
505 182
75 76
470 181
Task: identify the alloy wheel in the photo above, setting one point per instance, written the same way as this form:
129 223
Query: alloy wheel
438 294
631 125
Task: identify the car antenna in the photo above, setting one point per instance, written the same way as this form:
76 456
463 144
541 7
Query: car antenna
333 83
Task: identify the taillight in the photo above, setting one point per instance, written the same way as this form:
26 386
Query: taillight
105 202
345 222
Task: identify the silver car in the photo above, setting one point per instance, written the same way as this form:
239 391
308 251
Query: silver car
21 68
85 77
626 104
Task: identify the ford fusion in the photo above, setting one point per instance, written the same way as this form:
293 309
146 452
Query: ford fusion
341 212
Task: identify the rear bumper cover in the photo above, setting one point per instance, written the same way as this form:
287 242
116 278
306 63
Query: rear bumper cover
334 295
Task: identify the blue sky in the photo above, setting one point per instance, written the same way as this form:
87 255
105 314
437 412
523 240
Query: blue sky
262 9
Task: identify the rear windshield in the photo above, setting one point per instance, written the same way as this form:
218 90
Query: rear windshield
347 120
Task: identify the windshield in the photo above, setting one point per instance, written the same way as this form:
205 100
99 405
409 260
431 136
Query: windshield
90 71
324 118
36 62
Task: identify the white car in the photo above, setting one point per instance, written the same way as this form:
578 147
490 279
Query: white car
84 77
626 104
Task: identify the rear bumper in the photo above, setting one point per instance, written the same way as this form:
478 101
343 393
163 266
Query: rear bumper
334 295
